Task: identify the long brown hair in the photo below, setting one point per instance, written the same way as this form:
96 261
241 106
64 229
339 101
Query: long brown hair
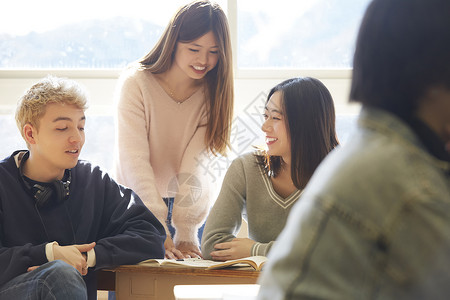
189 23
310 122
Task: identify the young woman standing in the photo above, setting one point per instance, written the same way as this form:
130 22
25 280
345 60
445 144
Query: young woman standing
174 105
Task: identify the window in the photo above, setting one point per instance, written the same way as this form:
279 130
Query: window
313 34
80 34
91 41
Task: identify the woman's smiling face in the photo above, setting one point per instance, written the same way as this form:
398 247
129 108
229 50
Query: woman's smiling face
198 57
274 126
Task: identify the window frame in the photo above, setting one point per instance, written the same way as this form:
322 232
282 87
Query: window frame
269 73
14 81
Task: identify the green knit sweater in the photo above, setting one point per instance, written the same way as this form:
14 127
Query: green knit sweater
247 193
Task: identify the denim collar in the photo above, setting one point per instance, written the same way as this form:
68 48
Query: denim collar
417 133
430 139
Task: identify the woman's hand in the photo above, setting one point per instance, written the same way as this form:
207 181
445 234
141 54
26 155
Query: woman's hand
189 250
171 251
237 248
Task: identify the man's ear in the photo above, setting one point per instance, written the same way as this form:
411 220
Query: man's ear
29 133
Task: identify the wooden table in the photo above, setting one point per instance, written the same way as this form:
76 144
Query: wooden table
157 283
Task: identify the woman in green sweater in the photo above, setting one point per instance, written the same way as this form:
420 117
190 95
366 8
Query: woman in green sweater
262 186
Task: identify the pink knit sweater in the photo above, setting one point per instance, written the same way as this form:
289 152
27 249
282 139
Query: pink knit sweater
156 139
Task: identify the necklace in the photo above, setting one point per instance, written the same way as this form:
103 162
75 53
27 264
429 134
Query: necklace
173 97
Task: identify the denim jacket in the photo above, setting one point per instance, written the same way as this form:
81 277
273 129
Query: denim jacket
373 222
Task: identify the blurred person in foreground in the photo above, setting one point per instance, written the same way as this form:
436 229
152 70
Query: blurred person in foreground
374 221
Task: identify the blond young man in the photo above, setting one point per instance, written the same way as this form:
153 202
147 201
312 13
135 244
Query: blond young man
61 218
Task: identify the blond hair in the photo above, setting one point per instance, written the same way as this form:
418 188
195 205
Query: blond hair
31 106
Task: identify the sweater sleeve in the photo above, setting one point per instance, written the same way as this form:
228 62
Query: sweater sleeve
191 204
132 158
225 218
129 232
261 249
15 261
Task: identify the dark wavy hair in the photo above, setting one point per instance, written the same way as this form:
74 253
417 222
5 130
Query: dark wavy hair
310 122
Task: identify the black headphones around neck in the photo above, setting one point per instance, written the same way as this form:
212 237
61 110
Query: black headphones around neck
43 194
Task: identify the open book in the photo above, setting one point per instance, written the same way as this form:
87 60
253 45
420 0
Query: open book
256 262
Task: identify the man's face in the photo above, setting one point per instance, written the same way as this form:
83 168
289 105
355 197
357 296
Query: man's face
58 140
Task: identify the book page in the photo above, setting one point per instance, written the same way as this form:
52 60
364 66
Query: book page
187 262
253 261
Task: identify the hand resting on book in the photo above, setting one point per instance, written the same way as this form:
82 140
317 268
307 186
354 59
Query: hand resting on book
235 249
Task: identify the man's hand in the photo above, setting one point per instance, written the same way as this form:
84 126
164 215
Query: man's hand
73 255
32 268
237 248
